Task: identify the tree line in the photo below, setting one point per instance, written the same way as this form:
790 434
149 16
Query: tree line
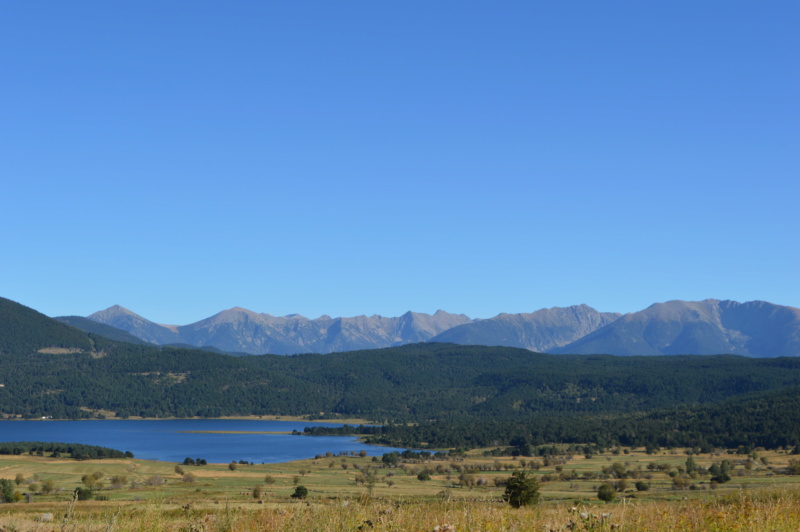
76 451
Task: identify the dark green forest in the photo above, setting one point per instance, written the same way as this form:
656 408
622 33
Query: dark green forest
442 395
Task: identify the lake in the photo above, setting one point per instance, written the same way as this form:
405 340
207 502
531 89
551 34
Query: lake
174 440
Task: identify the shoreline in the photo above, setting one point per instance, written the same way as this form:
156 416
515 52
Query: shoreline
344 421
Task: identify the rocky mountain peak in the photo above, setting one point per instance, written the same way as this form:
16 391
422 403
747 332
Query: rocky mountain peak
711 326
114 311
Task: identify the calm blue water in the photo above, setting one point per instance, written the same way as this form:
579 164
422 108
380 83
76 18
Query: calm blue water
169 441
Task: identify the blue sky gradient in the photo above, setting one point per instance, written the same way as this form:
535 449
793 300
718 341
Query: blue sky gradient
372 157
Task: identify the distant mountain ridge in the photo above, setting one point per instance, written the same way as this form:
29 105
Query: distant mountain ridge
542 331
755 328
241 330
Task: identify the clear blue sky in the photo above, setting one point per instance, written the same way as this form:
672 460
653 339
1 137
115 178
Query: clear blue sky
362 157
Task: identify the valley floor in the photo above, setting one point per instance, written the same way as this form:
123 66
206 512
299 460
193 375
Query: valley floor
348 492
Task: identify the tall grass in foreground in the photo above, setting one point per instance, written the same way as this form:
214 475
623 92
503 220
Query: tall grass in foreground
751 511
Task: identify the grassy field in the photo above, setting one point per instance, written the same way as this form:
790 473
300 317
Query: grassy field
348 492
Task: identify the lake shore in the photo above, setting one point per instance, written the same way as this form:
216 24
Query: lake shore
259 440
342 421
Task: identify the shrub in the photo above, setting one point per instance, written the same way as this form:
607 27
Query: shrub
154 480
48 486
300 492
521 490
720 472
606 492
83 494
6 490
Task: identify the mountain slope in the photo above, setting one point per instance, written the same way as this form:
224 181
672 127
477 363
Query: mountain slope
755 328
24 330
124 319
241 330
541 331
100 329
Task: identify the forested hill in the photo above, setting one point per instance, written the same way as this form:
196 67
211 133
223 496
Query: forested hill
49 369
765 419
409 383
23 330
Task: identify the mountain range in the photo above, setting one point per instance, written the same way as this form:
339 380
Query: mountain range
755 328
438 395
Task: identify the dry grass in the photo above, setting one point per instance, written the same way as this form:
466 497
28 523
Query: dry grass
757 498
769 511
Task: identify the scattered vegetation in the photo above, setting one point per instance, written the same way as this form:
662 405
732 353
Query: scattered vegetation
478 490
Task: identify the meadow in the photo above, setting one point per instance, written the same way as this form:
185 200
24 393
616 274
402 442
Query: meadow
676 489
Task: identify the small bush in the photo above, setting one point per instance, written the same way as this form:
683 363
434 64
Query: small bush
84 494
6 490
606 492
